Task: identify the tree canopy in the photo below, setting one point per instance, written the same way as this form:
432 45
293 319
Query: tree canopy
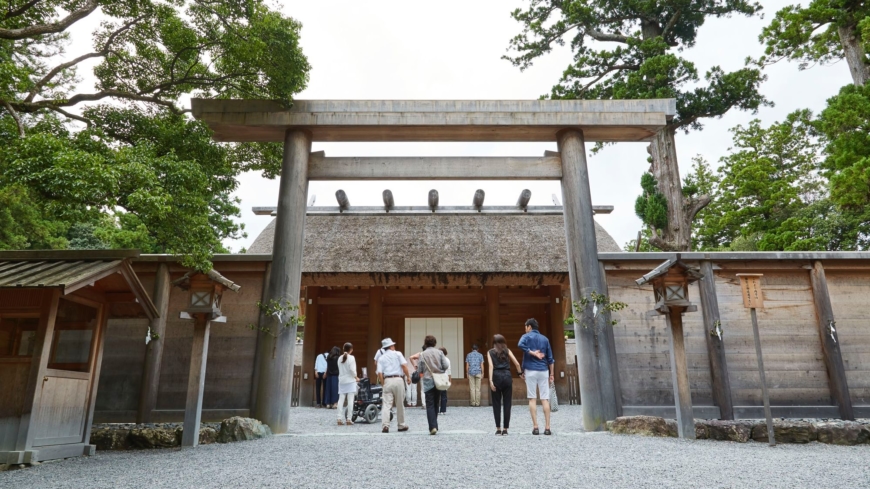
122 165
624 49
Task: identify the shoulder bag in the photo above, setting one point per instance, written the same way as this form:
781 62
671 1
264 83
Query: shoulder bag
442 381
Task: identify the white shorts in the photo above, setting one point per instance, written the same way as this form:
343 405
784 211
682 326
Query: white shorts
538 380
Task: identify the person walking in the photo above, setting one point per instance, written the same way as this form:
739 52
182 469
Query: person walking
414 360
449 375
538 372
474 372
347 380
393 374
431 361
500 381
330 398
320 379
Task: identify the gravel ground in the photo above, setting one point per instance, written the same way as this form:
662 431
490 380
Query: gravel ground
465 453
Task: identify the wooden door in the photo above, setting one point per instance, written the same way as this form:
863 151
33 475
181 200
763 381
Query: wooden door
448 332
63 410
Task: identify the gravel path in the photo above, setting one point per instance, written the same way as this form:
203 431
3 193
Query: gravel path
318 453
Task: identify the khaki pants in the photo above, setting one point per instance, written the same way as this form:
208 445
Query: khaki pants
394 392
474 388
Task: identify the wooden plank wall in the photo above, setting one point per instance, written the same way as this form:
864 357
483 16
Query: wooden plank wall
643 347
851 303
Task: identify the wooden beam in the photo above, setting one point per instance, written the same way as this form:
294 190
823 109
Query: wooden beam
450 210
154 349
715 343
435 168
259 352
595 375
96 366
275 382
680 377
610 343
433 120
557 336
492 316
830 342
196 381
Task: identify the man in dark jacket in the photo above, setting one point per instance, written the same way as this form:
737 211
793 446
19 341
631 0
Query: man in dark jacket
537 371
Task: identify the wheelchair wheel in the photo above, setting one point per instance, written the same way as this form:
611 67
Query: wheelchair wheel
371 413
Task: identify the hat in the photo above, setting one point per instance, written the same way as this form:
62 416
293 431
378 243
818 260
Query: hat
386 343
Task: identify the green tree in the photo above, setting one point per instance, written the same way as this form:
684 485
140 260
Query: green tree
625 49
123 164
703 181
824 32
845 125
771 197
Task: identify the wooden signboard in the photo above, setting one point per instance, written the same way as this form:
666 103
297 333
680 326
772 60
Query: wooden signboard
750 284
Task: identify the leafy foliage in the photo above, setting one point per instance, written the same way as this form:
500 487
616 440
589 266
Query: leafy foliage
819 33
651 207
285 314
770 195
140 173
600 304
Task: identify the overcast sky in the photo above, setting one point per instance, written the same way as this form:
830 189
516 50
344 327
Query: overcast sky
452 50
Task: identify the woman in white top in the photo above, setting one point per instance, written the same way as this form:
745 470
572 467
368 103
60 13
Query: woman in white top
347 380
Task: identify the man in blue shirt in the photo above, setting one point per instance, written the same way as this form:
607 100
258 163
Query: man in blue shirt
537 371
474 372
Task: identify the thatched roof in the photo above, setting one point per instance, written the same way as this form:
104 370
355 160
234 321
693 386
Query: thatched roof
434 243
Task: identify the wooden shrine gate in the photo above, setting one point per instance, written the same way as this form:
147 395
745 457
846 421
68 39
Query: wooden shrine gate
569 123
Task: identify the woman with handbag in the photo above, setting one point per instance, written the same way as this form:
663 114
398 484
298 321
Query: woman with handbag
347 380
432 368
500 381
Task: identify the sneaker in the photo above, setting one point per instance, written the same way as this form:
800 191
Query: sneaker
386 429
548 432
433 431
536 432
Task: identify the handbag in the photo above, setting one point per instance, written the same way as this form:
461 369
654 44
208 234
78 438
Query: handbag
442 381
415 377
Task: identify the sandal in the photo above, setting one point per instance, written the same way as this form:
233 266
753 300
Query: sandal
349 423
548 432
340 422
498 432
536 432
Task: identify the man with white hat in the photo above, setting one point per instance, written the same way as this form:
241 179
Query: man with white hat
393 375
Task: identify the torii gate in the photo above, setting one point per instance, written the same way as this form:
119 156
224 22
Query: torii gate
568 122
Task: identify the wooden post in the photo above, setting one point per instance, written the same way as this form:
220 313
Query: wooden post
275 382
765 397
258 351
830 344
715 345
195 381
611 347
594 373
376 325
492 328
309 347
557 338
680 376
154 349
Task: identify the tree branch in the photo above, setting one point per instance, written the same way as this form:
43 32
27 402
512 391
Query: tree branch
60 26
604 36
103 52
70 115
671 23
695 206
20 10
15 117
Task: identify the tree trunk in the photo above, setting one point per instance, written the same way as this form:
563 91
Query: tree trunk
681 211
854 53
666 170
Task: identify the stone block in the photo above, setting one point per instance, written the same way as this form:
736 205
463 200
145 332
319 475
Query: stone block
786 431
644 425
721 430
153 438
842 433
110 438
238 428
